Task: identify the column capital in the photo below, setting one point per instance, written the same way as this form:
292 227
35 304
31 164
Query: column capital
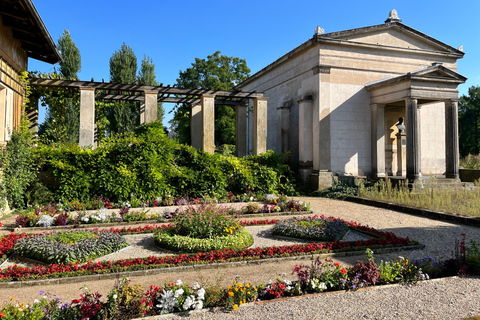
208 96
87 88
150 92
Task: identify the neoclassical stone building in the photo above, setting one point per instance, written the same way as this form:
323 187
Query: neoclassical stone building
335 101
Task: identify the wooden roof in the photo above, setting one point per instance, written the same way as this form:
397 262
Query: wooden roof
27 26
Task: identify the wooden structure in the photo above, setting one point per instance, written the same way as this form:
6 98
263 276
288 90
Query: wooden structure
22 35
201 100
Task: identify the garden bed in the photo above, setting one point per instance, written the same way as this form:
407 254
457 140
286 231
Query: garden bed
385 239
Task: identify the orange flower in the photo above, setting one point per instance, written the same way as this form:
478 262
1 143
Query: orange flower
230 293
343 270
337 264
235 307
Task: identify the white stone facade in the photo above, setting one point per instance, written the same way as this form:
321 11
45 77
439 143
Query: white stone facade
346 74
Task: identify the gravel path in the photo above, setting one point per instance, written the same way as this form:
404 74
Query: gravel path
448 298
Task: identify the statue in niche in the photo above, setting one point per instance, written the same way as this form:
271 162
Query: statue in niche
400 125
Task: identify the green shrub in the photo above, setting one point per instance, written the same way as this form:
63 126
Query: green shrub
312 228
148 165
168 239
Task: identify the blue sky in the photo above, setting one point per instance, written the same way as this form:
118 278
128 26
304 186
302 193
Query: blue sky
174 33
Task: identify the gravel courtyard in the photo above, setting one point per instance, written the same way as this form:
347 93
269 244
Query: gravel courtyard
448 298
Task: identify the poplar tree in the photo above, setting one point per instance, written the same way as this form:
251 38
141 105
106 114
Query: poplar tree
147 77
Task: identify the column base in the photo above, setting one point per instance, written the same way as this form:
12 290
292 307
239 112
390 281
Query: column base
321 180
305 173
453 176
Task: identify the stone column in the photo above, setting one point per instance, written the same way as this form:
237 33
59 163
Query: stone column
241 130
3 103
377 112
208 123
451 139
148 110
259 125
87 117
196 127
322 169
283 126
412 121
400 154
305 135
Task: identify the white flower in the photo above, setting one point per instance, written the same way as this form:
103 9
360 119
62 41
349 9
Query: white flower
36 301
322 286
179 282
201 294
195 286
251 198
199 305
179 292
115 297
188 302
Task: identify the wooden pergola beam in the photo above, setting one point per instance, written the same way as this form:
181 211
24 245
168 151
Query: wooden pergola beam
140 88
192 101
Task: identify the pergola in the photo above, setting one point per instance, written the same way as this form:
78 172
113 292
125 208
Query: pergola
202 101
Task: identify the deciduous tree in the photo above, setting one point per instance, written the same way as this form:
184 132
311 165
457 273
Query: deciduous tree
469 122
217 72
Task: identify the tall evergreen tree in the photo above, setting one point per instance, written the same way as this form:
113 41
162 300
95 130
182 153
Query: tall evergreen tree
217 72
123 116
62 123
147 77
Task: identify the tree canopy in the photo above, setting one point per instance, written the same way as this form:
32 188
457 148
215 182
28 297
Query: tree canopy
146 76
62 121
469 122
216 72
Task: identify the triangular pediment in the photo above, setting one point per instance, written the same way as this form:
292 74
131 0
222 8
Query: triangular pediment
393 35
438 72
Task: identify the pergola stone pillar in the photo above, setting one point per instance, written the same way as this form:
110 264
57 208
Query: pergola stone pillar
451 139
377 112
259 125
412 121
305 139
400 161
196 127
241 130
148 110
283 125
87 117
208 123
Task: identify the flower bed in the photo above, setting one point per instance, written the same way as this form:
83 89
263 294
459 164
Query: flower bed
127 301
74 269
54 215
68 247
168 239
312 228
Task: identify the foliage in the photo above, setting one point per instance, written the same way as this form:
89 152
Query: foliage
168 239
50 248
312 228
123 116
338 190
62 121
473 257
389 271
72 62
206 221
19 167
147 165
469 122
366 272
470 161
180 297
217 72
330 273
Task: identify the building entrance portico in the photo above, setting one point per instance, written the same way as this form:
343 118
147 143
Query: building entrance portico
434 86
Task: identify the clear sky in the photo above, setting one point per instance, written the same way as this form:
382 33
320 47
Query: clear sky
174 32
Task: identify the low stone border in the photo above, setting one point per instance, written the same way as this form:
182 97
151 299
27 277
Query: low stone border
438 215
118 275
150 222
303 296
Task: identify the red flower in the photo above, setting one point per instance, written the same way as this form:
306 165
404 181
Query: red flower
337 264
343 270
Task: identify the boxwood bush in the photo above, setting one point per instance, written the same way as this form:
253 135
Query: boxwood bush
147 164
168 239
